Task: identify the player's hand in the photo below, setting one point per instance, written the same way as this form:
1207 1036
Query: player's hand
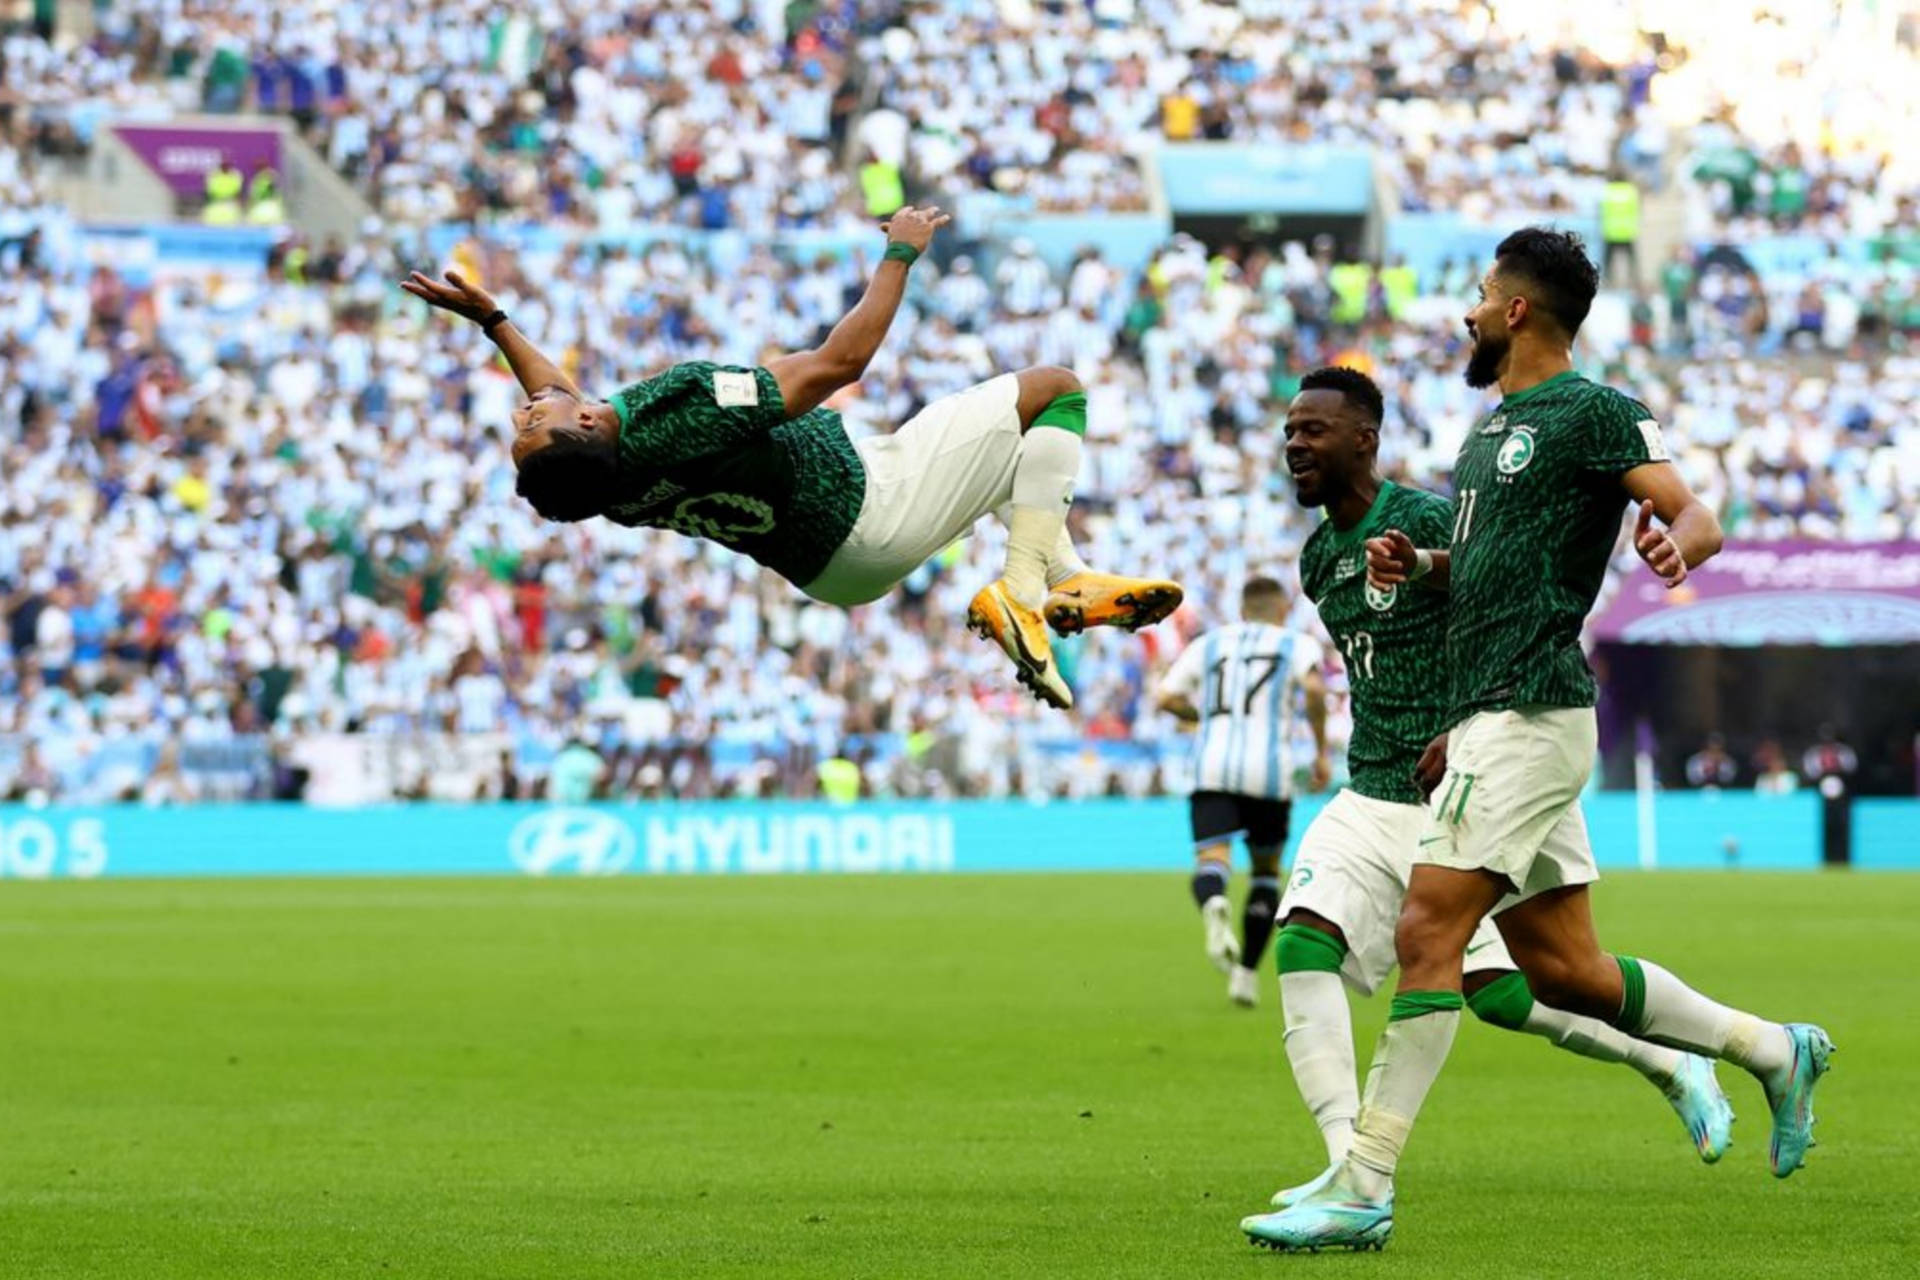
1658 549
1322 772
1390 559
1432 766
915 226
459 295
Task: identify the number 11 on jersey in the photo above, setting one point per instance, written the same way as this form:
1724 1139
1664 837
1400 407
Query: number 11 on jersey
1463 518
1358 646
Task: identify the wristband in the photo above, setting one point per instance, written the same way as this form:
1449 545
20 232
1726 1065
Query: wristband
1422 565
493 321
900 251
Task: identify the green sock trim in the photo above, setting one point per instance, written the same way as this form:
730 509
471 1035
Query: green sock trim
1305 949
1418 1004
1067 412
1504 1002
1633 1003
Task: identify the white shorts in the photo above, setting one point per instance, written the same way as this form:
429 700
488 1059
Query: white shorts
1352 869
927 484
1510 801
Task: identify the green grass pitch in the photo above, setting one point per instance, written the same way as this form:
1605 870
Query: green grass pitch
966 1077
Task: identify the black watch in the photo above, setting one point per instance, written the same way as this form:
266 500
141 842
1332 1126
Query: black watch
493 321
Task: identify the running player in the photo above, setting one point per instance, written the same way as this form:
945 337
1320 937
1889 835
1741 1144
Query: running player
1239 683
1540 487
748 458
1350 873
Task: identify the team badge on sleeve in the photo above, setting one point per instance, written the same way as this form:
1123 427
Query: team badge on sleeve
735 390
1656 443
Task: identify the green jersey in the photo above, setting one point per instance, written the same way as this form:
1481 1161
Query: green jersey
1537 503
1394 641
708 451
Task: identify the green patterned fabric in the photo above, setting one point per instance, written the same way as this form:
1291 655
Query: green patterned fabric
1418 1004
706 450
1394 642
1537 502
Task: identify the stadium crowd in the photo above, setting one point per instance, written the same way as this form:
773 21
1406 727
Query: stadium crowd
261 512
756 114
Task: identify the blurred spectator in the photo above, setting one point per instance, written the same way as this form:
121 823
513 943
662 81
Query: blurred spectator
1771 776
1620 230
166 785
225 185
1711 768
577 774
840 779
1829 762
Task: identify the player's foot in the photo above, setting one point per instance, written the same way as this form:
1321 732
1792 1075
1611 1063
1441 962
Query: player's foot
1243 986
1090 599
1021 634
1791 1096
1695 1093
1330 1217
1293 1195
1222 947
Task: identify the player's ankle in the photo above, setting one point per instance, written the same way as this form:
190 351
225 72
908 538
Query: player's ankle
1024 582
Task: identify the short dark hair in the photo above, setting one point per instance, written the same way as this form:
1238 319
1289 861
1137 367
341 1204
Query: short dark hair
1261 586
572 477
1556 264
1356 387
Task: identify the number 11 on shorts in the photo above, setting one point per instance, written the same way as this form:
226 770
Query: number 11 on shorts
1453 797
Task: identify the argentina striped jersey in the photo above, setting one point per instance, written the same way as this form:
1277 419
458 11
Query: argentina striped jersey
1245 681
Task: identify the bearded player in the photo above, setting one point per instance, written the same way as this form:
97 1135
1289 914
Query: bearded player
1540 488
1350 874
749 458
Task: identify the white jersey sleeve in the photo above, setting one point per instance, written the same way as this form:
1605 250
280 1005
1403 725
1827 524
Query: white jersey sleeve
1183 677
1307 655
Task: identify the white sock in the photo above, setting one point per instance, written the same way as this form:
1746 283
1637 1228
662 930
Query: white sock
1592 1038
1405 1064
1063 562
1674 1013
1319 1040
1042 493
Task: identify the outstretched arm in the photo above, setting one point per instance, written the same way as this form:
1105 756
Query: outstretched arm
807 378
469 301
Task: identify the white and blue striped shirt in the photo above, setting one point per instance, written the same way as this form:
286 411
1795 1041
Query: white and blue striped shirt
1245 679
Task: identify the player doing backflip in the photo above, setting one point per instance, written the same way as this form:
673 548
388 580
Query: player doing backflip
749 458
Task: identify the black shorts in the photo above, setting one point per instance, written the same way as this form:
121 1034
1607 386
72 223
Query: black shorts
1221 815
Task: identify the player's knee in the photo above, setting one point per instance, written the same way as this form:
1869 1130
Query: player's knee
1050 381
1567 982
1416 932
1042 389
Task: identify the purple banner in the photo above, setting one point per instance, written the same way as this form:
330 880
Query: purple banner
1776 593
184 155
